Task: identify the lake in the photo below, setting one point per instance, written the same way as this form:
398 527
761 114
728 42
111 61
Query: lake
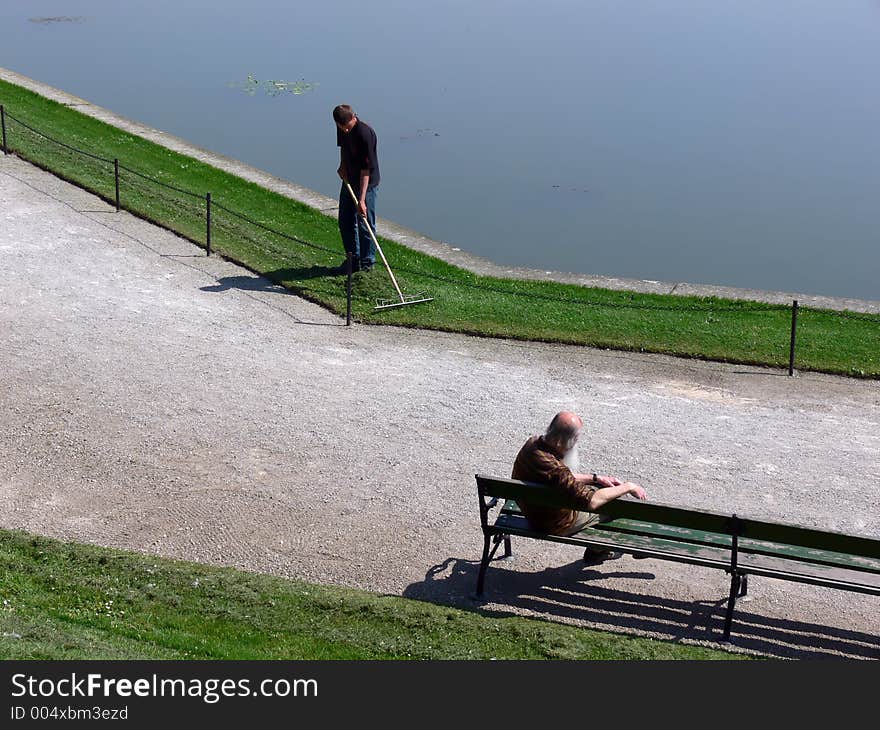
731 142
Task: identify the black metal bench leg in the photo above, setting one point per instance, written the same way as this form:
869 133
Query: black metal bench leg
743 586
484 563
508 552
735 580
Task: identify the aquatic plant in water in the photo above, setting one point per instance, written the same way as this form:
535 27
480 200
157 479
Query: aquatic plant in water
58 19
272 87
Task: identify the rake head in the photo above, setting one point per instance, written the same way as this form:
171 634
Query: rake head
404 301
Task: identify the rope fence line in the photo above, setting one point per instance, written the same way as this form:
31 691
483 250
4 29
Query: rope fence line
148 194
745 307
837 314
264 227
159 182
62 144
262 243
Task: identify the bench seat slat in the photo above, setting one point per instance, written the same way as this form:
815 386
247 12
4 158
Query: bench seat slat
746 546
647 529
707 556
668 549
820 575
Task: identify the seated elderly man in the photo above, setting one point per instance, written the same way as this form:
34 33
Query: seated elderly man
551 459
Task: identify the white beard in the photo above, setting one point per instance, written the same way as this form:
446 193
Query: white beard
572 460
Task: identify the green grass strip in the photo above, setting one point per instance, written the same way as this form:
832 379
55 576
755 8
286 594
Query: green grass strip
70 601
169 188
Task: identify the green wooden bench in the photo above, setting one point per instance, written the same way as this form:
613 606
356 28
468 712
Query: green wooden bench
738 545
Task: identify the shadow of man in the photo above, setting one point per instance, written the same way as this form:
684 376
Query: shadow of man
302 273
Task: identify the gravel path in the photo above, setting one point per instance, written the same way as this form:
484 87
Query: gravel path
157 400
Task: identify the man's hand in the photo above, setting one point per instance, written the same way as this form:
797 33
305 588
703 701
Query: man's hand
606 481
362 208
604 495
636 491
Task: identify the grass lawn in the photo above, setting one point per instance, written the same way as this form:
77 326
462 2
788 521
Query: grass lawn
295 246
70 601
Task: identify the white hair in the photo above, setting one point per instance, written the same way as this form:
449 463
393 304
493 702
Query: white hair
572 459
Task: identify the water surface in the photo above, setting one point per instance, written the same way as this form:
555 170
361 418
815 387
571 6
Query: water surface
731 142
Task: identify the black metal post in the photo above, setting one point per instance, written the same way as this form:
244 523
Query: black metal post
794 311
208 234
3 124
116 173
734 576
348 268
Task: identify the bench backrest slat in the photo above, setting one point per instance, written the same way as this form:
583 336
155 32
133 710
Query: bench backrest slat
808 537
545 496
706 521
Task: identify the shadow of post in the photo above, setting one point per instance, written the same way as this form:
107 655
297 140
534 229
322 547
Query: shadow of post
271 280
574 593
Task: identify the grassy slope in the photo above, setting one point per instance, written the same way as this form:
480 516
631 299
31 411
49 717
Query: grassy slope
709 328
69 601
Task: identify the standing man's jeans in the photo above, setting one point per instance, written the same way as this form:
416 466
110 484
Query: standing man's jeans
355 236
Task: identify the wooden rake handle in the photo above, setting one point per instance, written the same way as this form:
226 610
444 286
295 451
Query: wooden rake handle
375 241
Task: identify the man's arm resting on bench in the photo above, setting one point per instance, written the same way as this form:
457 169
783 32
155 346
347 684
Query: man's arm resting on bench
604 495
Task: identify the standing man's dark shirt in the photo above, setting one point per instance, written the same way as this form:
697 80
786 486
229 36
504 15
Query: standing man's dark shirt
359 153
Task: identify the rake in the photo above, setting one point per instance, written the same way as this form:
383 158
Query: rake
389 303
